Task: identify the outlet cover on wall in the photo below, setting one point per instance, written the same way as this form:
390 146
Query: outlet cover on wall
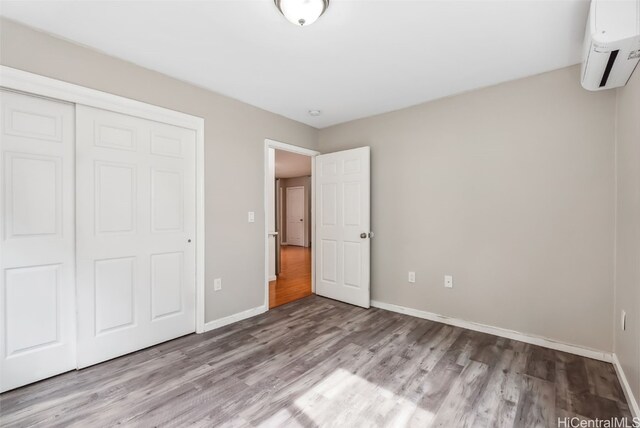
217 284
623 320
412 277
448 281
251 217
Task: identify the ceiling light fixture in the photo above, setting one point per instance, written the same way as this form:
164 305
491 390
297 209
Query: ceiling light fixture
315 112
302 12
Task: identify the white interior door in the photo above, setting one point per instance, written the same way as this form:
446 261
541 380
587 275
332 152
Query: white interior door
135 233
342 192
295 216
37 289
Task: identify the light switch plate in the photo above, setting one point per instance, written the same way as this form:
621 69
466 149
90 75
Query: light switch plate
412 277
623 321
448 281
217 284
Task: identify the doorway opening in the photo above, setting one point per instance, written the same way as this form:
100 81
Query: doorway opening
340 240
289 204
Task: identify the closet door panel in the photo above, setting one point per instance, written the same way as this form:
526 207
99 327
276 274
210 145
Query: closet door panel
136 229
37 289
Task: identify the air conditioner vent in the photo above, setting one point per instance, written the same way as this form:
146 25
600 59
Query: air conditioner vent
612 44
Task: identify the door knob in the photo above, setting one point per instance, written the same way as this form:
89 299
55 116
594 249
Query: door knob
363 235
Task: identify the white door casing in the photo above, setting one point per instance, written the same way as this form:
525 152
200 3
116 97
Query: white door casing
135 233
37 289
295 215
271 214
342 250
268 143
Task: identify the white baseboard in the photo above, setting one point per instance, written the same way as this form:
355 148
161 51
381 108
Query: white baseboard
628 393
497 331
212 325
273 278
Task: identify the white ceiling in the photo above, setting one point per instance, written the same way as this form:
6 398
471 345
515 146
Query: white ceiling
289 165
359 59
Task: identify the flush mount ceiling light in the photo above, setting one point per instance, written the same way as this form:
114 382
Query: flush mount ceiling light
315 112
302 12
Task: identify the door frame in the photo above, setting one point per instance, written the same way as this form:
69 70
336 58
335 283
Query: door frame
35 84
304 214
277 145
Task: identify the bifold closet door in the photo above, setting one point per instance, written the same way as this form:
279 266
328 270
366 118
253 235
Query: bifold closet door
37 289
135 203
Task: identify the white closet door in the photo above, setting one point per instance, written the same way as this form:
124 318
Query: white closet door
135 233
37 290
343 225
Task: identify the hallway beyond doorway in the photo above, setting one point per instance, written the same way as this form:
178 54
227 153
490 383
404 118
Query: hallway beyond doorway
294 281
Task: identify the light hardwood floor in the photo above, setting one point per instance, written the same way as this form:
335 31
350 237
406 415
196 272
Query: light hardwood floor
294 281
321 363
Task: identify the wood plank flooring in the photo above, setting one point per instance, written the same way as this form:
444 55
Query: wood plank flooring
321 363
294 281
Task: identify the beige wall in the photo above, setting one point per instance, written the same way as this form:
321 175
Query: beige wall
234 149
627 292
511 190
293 182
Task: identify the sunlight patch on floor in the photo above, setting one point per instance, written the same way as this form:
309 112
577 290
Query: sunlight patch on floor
283 418
343 398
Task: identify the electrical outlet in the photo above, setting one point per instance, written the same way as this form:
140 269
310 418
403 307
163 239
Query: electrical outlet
217 284
448 281
251 217
623 321
412 277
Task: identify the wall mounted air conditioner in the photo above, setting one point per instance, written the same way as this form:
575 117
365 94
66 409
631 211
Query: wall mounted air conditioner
612 44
